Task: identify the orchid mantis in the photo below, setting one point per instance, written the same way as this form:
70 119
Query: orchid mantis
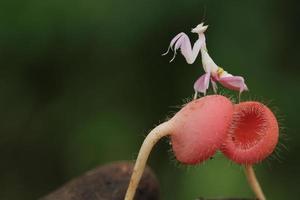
213 73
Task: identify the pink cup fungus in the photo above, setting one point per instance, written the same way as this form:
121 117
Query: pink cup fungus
200 127
252 137
253 133
197 131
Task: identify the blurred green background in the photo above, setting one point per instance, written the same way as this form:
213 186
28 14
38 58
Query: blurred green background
83 81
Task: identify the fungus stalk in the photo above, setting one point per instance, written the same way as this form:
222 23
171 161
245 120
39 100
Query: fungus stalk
152 138
253 182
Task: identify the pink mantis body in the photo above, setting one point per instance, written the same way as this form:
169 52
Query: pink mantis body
213 73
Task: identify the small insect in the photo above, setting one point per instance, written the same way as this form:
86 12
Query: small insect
213 73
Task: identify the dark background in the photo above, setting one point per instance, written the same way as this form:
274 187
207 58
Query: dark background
83 81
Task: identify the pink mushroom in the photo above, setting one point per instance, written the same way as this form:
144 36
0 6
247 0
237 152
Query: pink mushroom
197 131
200 128
253 133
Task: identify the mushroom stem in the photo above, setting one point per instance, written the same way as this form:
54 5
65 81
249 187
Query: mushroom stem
152 138
253 182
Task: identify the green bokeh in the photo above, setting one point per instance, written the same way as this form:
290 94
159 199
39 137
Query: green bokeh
82 82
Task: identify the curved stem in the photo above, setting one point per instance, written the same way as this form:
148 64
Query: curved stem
253 182
152 138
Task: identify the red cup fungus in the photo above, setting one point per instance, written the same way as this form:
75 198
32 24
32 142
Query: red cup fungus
200 127
252 135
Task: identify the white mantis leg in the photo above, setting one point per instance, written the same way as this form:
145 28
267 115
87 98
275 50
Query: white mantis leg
173 42
190 53
182 41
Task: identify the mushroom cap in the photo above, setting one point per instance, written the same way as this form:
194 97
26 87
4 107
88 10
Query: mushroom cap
252 135
200 127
